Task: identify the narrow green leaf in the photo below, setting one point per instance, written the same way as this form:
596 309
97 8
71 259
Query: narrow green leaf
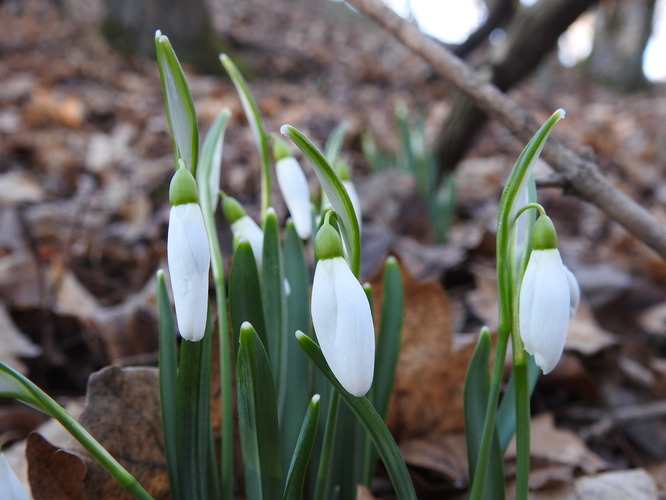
296 476
179 104
16 386
256 124
193 417
506 413
168 369
209 169
296 365
334 143
272 288
373 423
336 192
475 396
245 303
388 340
257 419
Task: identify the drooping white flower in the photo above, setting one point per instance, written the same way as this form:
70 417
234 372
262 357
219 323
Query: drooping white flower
545 303
294 187
245 228
341 316
10 486
188 256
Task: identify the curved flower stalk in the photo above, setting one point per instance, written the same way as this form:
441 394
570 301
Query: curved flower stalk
548 296
294 187
244 227
10 486
188 256
341 315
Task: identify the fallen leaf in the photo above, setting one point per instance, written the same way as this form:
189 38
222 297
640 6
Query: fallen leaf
19 187
122 412
559 446
634 484
53 472
444 455
13 343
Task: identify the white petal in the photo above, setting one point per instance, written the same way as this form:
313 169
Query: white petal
356 201
574 290
10 486
246 228
343 323
544 308
188 255
296 193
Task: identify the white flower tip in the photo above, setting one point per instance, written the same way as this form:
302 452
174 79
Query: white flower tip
561 113
159 273
299 334
284 129
246 325
158 34
270 211
315 398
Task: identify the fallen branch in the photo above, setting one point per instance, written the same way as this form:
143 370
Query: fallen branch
582 175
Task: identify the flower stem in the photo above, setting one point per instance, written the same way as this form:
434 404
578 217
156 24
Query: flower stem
327 446
522 427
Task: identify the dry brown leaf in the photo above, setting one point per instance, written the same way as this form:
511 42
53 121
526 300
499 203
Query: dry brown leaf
427 394
122 412
53 472
13 343
585 335
559 446
19 187
445 455
634 484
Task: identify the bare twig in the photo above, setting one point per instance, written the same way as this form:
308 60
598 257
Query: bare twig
583 175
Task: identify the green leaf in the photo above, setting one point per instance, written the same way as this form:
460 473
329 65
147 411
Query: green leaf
388 340
334 143
257 419
296 365
477 388
506 413
272 288
16 386
245 303
193 417
168 369
257 126
296 476
336 192
208 172
181 115
372 422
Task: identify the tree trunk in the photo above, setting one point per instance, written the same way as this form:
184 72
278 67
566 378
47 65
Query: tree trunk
129 26
621 33
532 34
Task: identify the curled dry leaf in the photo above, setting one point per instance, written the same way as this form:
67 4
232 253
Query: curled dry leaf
122 413
427 394
53 472
555 447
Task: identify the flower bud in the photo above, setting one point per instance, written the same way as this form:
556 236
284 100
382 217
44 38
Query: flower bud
341 316
296 193
244 227
188 256
545 299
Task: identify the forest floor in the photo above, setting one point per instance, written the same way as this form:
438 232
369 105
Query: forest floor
85 162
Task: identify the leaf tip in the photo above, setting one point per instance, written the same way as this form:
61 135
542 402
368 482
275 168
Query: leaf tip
284 129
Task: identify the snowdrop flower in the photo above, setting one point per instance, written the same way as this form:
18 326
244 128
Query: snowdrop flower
341 315
294 188
10 486
547 298
188 256
244 227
